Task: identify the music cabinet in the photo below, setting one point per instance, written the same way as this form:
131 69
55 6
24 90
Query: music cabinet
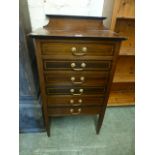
76 59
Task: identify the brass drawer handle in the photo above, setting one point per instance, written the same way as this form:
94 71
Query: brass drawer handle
82 78
83 65
84 49
80 101
80 92
77 69
76 104
75 113
73 49
73 65
81 53
71 101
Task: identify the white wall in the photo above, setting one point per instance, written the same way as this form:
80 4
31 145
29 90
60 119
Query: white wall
107 11
36 12
74 7
38 9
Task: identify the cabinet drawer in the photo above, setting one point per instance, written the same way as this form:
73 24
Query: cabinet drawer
76 65
78 48
74 90
74 110
84 78
70 100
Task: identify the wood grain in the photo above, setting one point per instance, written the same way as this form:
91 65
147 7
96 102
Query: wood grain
65 90
126 27
125 69
64 47
125 98
123 22
67 111
69 23
51 65
70 100
72 78
123 8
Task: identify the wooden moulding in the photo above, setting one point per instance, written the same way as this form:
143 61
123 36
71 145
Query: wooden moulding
58 22
126 27
77 27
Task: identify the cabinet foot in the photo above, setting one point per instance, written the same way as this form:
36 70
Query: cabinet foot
48 132
100 121
47 126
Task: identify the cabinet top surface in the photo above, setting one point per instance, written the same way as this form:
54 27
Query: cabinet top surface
70 27
48 33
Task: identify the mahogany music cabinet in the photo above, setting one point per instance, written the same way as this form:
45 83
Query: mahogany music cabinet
76 59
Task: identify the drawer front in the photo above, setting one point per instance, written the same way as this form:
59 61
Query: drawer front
74 111
75 91
77 48
76 65
70 100
84 78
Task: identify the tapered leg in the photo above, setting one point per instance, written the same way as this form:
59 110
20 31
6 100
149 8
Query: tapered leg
46 123
47 126
100 120
99 123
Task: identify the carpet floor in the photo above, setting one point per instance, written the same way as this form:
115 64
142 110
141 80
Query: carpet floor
75 135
